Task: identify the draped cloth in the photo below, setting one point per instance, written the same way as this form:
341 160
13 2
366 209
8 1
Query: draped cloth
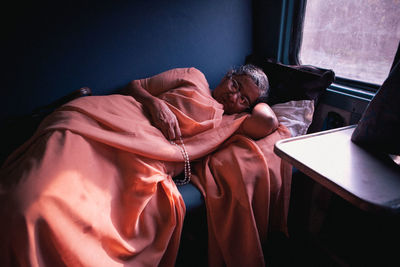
92 186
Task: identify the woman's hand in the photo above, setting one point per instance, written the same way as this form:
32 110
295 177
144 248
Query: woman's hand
163 119
160 114
261 122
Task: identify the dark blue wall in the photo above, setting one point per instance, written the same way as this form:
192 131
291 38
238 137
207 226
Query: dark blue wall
54 48
267 27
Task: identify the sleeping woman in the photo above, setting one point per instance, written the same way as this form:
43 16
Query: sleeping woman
94 186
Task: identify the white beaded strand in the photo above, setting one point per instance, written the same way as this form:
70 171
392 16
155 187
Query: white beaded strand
185 155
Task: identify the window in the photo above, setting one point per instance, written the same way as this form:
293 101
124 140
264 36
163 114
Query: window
357 39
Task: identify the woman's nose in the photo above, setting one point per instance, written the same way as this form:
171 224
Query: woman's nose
233 97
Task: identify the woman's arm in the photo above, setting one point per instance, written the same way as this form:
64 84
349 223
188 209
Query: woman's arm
160 114
171 79
260 123
146 91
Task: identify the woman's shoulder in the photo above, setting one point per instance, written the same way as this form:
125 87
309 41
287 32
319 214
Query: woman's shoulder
190 71
192 75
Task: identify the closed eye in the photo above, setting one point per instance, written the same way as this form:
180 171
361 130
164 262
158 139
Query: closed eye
245 100
235 84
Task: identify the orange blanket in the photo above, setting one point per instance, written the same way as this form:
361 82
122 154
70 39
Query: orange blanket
91 187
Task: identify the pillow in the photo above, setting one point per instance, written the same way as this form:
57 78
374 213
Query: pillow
293 82
295 115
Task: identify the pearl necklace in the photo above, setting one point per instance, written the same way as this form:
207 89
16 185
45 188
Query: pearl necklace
185 156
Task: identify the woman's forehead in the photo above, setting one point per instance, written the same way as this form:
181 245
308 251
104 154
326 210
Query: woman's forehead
249 86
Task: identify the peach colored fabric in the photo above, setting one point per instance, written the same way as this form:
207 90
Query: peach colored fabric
246 189
91 187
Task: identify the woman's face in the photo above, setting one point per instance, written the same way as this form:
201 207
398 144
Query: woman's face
236 93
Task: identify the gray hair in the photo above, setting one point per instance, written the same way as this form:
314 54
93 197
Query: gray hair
257 75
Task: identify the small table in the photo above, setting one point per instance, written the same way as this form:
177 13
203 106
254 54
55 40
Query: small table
367 180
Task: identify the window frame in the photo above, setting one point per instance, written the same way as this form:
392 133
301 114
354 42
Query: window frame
296 36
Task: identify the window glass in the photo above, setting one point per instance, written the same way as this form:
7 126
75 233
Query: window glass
357 39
